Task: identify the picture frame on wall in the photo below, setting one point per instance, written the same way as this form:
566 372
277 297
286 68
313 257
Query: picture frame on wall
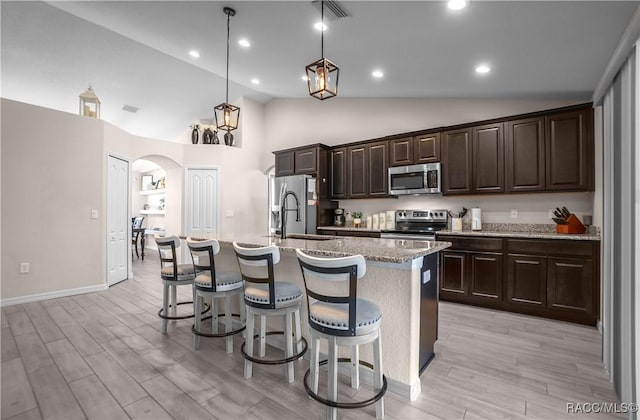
147 182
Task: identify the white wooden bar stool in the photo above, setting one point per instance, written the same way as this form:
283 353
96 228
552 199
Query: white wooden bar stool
214 285
338 315
173 275
263 296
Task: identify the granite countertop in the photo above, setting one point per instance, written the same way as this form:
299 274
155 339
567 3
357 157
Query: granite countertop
348 228
372 249
534 232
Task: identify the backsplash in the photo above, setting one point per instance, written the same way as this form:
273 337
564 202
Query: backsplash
532 208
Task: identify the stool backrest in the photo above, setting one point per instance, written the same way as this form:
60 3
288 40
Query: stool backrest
256 266
202 253
335 281
168 256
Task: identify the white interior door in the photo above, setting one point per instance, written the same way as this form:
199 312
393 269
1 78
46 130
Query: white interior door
201 202
118 222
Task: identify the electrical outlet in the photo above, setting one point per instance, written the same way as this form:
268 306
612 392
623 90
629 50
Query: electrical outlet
229 213
551 215
514 213
94 214
24 268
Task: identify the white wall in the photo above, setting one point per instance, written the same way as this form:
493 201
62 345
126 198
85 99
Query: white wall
295 122
52 177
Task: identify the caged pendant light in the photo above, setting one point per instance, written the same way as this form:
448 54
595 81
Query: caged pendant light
322 75
227 115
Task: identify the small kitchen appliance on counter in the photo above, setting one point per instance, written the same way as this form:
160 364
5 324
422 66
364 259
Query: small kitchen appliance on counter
476 218
420 225
338 217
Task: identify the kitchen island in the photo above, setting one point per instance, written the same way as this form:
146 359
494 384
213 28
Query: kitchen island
401 278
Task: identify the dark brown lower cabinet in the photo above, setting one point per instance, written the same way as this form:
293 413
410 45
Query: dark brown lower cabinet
485 275
551 278
527 280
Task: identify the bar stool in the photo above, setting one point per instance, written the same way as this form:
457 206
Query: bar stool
337 314
263 296
173 274
208 283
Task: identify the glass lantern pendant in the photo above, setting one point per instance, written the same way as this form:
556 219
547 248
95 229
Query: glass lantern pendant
322 75
89 103
227 115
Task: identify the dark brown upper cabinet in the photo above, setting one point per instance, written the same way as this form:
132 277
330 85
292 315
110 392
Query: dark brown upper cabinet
569 145
401 152
488 158
367 167
306 161
285 163
338 165
525 155
378 165
426 148
456 161
357 171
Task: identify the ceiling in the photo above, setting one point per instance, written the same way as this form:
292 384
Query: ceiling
136 53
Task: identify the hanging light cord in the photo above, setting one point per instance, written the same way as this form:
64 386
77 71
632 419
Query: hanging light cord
227 89
322 29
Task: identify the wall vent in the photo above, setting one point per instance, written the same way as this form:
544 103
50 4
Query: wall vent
332 9
130 108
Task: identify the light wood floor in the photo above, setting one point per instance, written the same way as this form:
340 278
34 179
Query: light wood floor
101 356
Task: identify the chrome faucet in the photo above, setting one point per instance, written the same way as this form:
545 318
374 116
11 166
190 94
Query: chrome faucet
284 210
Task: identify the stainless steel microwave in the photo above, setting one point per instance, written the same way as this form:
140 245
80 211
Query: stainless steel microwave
415 179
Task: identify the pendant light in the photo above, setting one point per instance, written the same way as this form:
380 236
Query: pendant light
322 75
227 115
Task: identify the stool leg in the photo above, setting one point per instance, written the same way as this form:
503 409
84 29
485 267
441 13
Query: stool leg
248 365
377 375
243 314
355 371
263 335
227 319
214 316
315 359
197 304
165 305
332 392
289 341
174 301
298 334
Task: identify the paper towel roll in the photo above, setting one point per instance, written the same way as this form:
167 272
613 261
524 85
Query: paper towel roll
476 218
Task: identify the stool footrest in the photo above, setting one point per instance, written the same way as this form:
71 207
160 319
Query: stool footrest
204 311
274 361
345 405
224 334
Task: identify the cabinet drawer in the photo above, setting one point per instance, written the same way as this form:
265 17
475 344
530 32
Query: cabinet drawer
552 247
472 244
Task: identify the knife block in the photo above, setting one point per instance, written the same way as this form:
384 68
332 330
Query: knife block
574 226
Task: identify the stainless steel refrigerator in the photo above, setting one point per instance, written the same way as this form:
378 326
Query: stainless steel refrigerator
297 196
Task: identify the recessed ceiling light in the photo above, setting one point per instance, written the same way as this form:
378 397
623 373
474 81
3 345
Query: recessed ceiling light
378 74
320 26
483 69
456 4
194 54
305 78
255 81
244 43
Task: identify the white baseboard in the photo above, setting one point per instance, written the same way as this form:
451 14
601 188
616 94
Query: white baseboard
52 295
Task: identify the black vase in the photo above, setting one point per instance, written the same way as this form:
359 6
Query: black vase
207 136
194 135
228 138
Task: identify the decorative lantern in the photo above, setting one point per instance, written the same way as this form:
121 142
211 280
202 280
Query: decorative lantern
89 103
227 115
322 75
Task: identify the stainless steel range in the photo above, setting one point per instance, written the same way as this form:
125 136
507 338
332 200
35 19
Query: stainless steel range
417 224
